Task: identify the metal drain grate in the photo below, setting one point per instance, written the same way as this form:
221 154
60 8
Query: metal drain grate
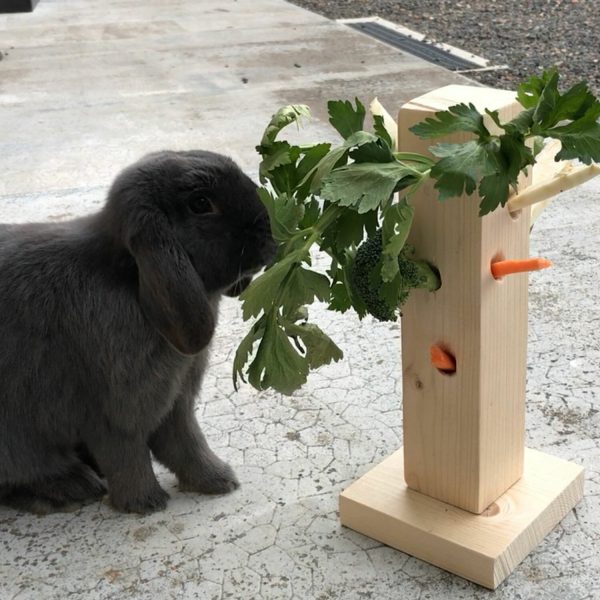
443 55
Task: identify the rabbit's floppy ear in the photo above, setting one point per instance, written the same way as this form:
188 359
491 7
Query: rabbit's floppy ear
171 293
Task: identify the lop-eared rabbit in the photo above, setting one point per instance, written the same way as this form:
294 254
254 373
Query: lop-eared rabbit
105 324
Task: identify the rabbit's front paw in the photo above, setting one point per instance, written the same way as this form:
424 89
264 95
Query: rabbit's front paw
212 477
142 501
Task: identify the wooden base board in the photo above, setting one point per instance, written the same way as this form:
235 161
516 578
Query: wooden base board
483 548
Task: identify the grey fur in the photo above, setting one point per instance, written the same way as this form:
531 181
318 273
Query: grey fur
105 324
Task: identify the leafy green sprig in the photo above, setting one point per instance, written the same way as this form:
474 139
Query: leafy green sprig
493 163
332 197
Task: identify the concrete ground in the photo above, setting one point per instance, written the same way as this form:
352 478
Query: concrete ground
86 86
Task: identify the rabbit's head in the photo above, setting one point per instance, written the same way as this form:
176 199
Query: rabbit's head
195 225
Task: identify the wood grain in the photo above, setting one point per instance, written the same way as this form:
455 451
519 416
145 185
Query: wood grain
483 548
464 433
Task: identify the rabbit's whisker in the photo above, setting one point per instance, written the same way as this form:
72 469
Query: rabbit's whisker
240 263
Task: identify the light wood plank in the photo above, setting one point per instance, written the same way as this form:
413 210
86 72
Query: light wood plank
483 548
464 433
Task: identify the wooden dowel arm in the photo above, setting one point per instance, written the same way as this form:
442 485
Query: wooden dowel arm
552 187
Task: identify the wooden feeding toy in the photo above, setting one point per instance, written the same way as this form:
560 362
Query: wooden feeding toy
464 493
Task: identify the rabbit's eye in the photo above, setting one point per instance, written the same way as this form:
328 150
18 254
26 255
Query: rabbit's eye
200 205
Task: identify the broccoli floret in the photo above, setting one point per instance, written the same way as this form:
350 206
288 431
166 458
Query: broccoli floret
367 259
366 283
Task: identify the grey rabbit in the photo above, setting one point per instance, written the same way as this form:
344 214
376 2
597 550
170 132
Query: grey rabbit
105 324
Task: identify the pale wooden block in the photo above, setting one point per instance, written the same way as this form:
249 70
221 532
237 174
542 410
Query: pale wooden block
464 433
483 548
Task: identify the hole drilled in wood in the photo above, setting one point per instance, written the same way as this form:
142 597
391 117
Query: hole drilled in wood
514 215
498 257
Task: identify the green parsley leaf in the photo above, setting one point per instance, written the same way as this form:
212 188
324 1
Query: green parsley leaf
245 350
284 214
460 167
493 190
462 117
312 212
548 101
261 293
529 92
516 156
319 347
520 125
342 295
381 131
511 156
345 118
421 162
550 107
278 155
580 139
335 158
340 299
279 169
397 221
282 118
350 228
364 186
312 156
277 363
302 287
373 152
392 292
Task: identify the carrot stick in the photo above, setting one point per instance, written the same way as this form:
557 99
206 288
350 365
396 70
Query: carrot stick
508 267
441 359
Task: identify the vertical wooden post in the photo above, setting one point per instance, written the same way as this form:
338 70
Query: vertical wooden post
464 433
464 494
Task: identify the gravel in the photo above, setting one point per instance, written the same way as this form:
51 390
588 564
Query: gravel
526 35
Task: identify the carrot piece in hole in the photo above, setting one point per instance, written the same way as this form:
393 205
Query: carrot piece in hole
508 267
441 359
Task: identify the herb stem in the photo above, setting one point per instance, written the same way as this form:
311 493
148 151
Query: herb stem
426 175
329 216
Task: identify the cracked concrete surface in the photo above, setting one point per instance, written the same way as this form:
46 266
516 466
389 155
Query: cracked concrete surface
86 86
